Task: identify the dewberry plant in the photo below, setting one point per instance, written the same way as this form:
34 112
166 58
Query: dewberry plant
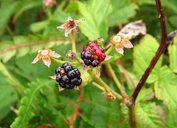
88 64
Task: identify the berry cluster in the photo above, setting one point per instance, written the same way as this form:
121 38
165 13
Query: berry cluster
93 54
67 76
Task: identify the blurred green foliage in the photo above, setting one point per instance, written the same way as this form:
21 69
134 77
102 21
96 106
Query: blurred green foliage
28 98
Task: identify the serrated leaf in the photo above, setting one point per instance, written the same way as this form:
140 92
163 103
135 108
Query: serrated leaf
149 115
6 10
143 54
171 119
122 12
165 87
95 16
172 50
28 102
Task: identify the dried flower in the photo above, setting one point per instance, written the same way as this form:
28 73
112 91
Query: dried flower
45 55
50 3
110 96
120 42
71 55
69 26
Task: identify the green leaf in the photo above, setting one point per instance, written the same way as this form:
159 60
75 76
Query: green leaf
165 87
172 50
7 96
6 10
22 45
122 11
171 119
28 102
95 16
38 26
143 54
24 6
149 115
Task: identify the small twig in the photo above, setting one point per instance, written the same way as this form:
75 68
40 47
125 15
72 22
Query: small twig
30 44
159 52
77 112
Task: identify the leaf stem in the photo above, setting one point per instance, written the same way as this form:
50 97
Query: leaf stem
159 52
58 61
109 50
101 82
113 75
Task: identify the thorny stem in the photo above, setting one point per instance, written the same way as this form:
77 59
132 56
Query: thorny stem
113 75
73 42
159 52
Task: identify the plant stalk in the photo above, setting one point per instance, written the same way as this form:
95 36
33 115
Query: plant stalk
159 52
73 42
132 116
113 75
101 82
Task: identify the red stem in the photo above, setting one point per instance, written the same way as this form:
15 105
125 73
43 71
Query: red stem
159 52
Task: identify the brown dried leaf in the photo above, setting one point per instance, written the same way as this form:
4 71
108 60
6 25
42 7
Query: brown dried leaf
133 29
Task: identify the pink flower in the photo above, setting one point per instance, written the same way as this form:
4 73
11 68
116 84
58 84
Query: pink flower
45 55
120 42
69 26
49 3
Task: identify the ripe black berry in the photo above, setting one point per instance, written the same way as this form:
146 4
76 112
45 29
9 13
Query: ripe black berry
68 68
79 81
78 74
87 55
57 70
72 74
74 81
93 54
87 62
65 64
95 63
65 79
67 76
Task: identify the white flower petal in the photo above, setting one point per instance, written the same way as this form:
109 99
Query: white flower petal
53 77
36 59
55 55
108 57
61 26
120 50
127 44
68 31
47 61
69 19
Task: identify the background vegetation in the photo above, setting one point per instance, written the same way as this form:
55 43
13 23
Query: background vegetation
29 98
